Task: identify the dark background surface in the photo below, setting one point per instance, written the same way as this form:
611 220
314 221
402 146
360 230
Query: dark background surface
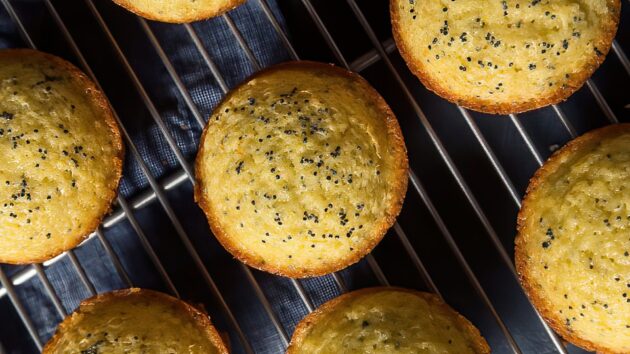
461 219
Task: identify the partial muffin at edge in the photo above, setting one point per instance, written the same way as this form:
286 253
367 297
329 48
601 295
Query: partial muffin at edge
178 11
137 320
386 320
301 169
62 156
504 56
572 250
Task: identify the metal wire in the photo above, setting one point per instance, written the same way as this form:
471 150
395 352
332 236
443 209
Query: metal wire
622 56
341 284
148 102
172 72
50 290
491 156
564 120
221 80
19 307
241 41
261 295
147 246
426 277
276 26
325 33
462 260
303 295
14 17
206 57
528 141
601 101
120 269
81 272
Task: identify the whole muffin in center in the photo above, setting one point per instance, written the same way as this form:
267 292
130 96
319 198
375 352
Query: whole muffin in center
301 169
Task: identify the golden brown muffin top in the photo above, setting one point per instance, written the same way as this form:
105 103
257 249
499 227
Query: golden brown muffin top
572 250
61 156
386 320
302 169
178 11
504 56
136 321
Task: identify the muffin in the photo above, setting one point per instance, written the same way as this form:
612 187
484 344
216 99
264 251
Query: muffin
178 11
62 156
572 248
301 169
386 320
504 56
135 321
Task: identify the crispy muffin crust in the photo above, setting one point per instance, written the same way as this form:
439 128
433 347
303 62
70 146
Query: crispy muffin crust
367 313
572 245
301 169
63 156
112 323
179 11
504 56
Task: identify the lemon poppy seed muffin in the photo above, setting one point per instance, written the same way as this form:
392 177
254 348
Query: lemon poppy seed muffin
301 169
573 243
178 11
136 321
504 56
386 320
61 156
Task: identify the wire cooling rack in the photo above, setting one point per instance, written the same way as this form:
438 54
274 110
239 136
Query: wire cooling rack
473 240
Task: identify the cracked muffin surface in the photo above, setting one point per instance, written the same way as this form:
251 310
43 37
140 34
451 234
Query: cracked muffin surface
301 169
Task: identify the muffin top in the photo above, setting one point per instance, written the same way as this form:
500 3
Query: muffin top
61 156
573 246
301 169
504 56
135 321
178 11
386 320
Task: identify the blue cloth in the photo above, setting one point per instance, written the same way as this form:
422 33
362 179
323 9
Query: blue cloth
234 65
